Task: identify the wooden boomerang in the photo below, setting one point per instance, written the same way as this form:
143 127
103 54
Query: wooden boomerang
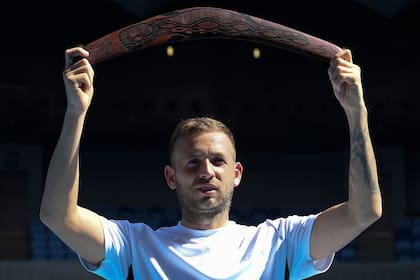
203 23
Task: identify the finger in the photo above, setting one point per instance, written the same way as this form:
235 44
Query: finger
80 76
344 69
71 54
82 66
343 62
337 68
82 81
340 66
346 55
341 59
348 78
341 74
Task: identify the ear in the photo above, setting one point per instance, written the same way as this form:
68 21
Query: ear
238 174
170 177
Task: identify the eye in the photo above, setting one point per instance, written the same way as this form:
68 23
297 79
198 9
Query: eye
218 161
193 161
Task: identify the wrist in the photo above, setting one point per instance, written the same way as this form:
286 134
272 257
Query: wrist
357 112
357 119
74 114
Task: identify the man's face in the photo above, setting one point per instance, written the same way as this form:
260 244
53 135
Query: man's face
204 173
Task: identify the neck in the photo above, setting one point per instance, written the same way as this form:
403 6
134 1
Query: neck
205 221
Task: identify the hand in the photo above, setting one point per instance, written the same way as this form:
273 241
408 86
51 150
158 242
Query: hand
346 81
78 80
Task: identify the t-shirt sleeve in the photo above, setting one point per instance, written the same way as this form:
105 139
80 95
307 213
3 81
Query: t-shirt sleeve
117 251
298 236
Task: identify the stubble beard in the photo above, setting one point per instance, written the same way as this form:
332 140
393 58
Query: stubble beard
195 210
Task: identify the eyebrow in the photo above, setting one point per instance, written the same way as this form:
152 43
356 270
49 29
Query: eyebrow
212 154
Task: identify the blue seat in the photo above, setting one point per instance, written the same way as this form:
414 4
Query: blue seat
403 229
346 255
403 246
155 217
39 250
415 232
38 240
241 215
56 248
403 250
171 216
416 248
404 258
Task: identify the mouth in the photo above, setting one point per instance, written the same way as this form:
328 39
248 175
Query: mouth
207 189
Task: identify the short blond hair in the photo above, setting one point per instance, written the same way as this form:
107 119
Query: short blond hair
197 125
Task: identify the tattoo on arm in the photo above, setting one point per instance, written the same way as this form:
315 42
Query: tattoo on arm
362 158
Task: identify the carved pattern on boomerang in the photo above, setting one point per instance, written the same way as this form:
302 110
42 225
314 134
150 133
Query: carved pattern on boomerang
205 23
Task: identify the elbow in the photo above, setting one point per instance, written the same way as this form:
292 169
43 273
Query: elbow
46 216
372 215
368 219
50 217
377 213
376 210
46 211
367 205
365 216
56 218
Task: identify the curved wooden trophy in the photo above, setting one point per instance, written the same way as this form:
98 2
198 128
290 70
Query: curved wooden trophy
205 23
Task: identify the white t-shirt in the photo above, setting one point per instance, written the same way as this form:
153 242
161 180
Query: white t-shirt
230 252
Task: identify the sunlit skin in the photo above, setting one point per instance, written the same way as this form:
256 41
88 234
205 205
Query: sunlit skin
204 173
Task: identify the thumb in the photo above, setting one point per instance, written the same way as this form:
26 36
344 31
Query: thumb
346 55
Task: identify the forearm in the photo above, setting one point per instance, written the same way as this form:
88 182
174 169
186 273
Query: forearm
59 201
364 204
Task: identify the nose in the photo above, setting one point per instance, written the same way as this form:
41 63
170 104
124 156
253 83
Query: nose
206 170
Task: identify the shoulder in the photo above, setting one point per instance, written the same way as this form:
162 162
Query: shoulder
298 220
124 227
285 225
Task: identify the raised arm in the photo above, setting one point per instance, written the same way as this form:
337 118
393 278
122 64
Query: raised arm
78 227
340 224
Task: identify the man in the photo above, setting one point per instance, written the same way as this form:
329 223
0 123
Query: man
203 171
